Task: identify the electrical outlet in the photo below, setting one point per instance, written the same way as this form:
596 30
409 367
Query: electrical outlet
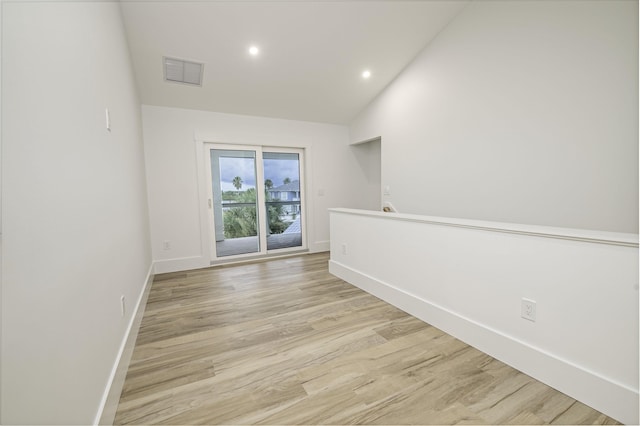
122 305
344 248
166 245
528 309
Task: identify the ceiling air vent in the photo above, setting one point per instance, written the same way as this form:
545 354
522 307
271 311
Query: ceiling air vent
180 71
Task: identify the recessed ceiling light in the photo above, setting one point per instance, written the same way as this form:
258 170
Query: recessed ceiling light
253 50
366 74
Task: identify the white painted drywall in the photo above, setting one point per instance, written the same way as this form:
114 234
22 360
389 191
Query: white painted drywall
75 221
0 205
172 174
519 111
368 155
468 278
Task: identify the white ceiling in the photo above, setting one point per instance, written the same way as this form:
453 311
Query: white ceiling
312 53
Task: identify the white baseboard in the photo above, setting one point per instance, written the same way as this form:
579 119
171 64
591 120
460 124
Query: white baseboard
320 246
609 397
198 262
109 404
180 264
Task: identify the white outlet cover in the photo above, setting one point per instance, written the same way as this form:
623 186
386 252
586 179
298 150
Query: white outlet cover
528 309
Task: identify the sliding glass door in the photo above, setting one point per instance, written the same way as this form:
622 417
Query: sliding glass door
256 202
283 199
235 202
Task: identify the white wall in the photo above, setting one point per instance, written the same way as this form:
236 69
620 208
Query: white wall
0 206
75 224
523 111
173 184
369 158
468 278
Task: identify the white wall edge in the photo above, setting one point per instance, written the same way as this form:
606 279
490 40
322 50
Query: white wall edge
203 212
374 139
180 264
615 398
590 236
109 403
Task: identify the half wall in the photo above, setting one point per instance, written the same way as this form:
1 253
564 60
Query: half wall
468 278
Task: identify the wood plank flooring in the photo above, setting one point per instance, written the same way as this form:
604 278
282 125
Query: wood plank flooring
285 342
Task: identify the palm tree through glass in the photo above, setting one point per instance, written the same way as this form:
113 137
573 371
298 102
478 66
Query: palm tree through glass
235 202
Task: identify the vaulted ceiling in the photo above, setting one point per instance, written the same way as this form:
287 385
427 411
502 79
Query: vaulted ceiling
311 53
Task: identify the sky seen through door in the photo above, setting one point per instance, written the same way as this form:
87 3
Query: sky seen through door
275 169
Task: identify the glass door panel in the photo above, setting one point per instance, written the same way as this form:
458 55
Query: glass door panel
283 199
235 202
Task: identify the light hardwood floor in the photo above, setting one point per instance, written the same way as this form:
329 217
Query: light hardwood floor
285 342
